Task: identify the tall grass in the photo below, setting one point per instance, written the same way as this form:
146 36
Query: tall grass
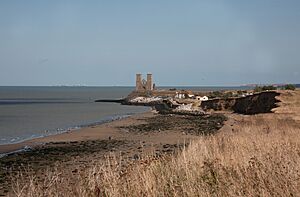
259 157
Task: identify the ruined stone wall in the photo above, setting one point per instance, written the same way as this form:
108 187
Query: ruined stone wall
143 85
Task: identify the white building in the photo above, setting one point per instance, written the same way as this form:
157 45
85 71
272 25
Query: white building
179 95
202 98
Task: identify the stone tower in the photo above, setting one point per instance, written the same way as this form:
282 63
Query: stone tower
142 84
149 84
138 82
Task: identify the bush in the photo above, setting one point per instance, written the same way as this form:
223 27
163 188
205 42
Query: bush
264 88
215 94
227 95
289 87
258 89
270 87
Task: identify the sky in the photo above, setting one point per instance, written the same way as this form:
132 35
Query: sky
106 42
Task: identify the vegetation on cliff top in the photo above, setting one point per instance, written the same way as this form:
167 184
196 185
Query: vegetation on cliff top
289 87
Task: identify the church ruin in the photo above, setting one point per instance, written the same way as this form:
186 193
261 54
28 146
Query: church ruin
142 84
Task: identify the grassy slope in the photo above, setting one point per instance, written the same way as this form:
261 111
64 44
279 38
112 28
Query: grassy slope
258 156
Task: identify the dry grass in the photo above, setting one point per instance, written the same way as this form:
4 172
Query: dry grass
259 157
290 104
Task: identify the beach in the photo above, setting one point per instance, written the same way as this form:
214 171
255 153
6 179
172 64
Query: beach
132 138
102 131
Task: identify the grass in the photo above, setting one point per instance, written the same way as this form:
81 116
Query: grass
258 156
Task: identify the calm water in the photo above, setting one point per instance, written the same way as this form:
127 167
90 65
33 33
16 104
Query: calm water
29 112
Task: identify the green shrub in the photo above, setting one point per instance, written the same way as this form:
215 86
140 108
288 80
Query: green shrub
270 87
264 88
227 95
258 89
289 87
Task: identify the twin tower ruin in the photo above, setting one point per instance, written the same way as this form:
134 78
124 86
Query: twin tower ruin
142 84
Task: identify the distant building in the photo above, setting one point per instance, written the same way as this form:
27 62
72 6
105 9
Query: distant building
142 84
180 95
200 98
184 94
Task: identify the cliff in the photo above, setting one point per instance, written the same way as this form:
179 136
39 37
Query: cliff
262 102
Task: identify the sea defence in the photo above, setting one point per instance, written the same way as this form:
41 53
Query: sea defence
121 100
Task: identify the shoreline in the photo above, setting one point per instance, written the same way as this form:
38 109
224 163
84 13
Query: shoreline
69 129
130 139
30 143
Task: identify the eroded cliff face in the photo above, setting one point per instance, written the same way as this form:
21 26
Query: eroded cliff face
262 102
218 104
258 103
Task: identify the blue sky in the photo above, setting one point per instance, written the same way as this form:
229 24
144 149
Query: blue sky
209 42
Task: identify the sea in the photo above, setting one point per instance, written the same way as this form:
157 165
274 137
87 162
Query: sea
32 112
